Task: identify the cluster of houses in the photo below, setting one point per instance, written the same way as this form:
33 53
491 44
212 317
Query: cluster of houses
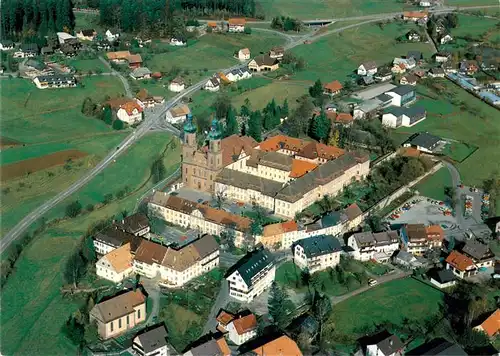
218 79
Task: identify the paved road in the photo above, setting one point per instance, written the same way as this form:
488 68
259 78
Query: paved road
220 302
124 80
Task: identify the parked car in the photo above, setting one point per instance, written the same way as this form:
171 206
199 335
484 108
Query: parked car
372 282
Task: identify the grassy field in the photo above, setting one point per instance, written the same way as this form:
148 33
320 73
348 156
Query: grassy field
87 65
446 118
86 21
213 51
470 2
324 9
339 55
392 301
33 307
433 186
473 26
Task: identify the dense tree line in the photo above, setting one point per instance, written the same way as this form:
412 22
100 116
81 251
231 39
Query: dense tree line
286 24
24 19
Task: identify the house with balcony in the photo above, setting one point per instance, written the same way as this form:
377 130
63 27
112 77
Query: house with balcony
118 314
373 246
479 253
251 275
461 265
242 328
151 342
317 253
418 238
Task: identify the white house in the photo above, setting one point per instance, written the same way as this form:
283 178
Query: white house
111 37
152 342
63 37
178 114
116 265
436 73
425 3
212 84
423 142
444 279
28 50
367 68
244 54
461 265
140 73
177 42
442 57
402 95
148 258
389 345
445 39
236 25
55 81
130 112
242 328
177 85
6 45
395 117
369 245
112 238
409 63
136 224
317 253
86 35
251 275
234 75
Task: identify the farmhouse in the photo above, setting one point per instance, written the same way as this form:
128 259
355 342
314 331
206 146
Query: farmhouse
317 253
118 57
55 81
127 110
480 253
332 88
263 63
277 52
178 114
148 101
436 73
251 275
415 16
27 50
244 54
136 224
408 79
151 342
177 85
402 95
86 35
68 50
236 25
177 42
469 67
116 265
134 61
119 313
461 265
141 73
442 57
423 142
242 328
110 36
395 117
64 37
369 245
367 68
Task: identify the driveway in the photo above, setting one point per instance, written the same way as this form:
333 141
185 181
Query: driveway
220 302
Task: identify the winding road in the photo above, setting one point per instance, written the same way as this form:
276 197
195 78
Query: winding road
156 117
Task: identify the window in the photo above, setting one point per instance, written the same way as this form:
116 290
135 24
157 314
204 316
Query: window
120 323
111 326
138 313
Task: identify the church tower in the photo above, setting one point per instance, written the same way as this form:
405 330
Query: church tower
189 147
214 154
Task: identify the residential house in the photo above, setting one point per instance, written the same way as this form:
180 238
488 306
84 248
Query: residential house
383 75
178 113
368 245
127 110
134 61
398 68
211 347
223 319
111 37
468 67
251 275
423 142
177 85
491 326
136 224
280 236
281 345
367 68
141 73
408 79
479 253
436 73
461 265
177 42
112 238
367 108
242 328
317 253
234 75
417 238
409 62
236 25
437 347
385 344
244 54
212 84
55 81
445 38
442 57
86 35
245 73
151 342
332 88
6 45
27 50
443 279
182 264
64 37
263 63
416 55
402 95
367 80
277 52
415 16
201 217
420 73
342 118
116 265
68 50
148 101
406 259
148 258
119 314
118 57
413 36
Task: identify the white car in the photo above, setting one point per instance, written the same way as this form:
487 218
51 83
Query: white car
372 282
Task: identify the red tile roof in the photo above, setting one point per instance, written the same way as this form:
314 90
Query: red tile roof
237 21
416 14
344 118
233 145
491 326
224 317
459 261
333 86
282 346
245 324
301 167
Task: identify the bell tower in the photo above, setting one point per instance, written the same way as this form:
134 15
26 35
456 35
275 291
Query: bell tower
214 147
189 147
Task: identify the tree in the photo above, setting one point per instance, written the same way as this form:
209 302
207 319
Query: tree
118 124
296 124
279 305
88 107
74 331
284 108
334 139
74 269
320 127
158 170
108 198
247 30
107 115
221 105
374 222
73 209
316 90
231 123
255 126
322 309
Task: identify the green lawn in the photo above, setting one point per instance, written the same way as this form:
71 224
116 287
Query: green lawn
393 301
213 51
458 151
447 119
88 65
33 310
470 2
433 186
87 21
339 55
473 26
324 9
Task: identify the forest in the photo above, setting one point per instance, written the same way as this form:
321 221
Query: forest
29 19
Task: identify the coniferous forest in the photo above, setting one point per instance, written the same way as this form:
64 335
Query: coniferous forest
23 19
